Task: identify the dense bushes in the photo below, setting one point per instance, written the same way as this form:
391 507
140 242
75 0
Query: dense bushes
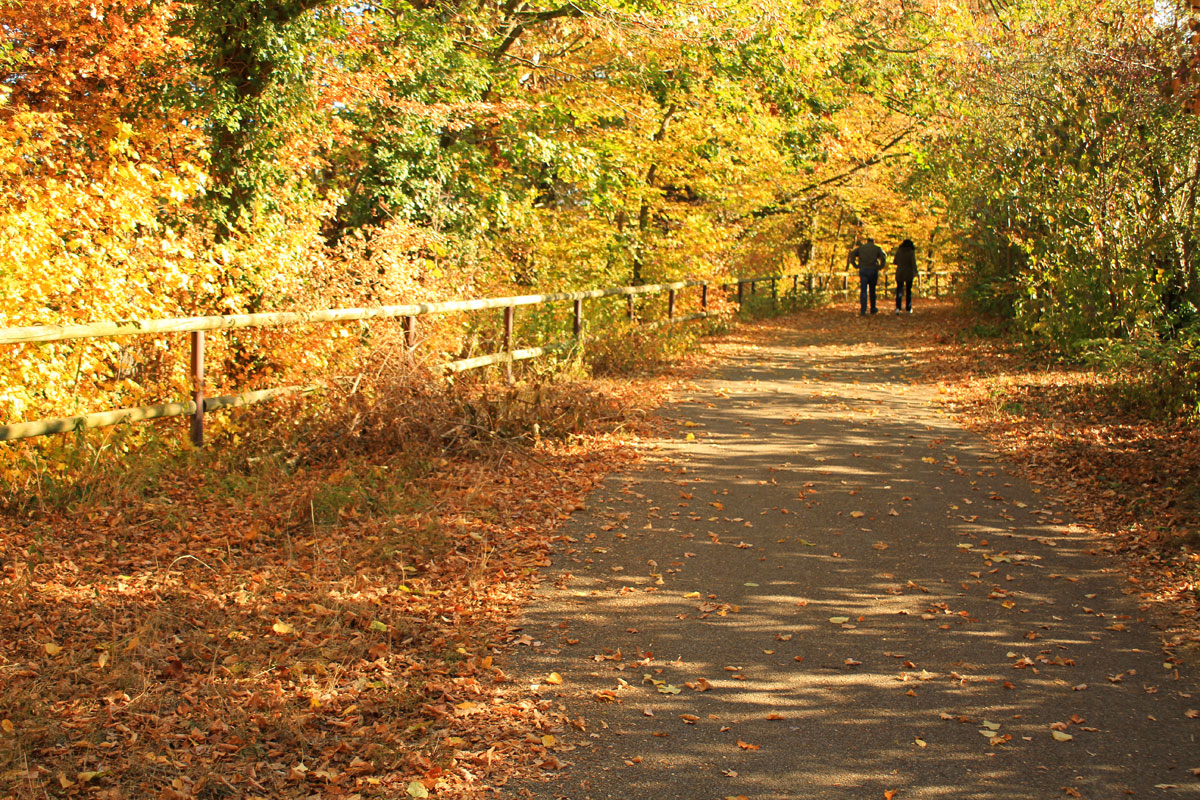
1072 170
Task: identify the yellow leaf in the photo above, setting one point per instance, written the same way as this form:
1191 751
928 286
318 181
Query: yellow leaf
417 789
554 679
548 740
692 594
8 726
921 742
102 660
282 628
1059 736
857 514
691 437
52 649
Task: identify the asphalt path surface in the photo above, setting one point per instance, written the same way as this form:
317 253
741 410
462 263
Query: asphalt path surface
820 586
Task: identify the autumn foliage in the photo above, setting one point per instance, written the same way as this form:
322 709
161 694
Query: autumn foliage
253 620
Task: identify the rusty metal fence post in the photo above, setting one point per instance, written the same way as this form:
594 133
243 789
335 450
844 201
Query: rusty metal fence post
197 370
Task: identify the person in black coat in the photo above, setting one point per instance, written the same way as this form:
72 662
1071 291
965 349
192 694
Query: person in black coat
905 260
869 258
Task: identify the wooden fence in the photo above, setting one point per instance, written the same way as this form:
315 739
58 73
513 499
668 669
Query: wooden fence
197 328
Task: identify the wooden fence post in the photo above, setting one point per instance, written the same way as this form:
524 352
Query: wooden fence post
197 370
671 305
509 314
578 320
410 333
704 297
629 307
774 292
741 291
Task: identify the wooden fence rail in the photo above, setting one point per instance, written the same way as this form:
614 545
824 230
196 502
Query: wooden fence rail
197 327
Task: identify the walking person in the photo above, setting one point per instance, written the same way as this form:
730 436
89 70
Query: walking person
905 260
869 259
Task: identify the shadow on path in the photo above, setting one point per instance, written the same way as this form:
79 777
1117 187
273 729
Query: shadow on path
824 588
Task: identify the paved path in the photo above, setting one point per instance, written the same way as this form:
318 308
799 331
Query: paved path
832 591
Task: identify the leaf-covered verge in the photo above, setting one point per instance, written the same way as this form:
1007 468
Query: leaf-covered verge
315 620
1132 476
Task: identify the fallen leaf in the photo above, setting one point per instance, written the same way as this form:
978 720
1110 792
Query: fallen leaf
1060 736
748 746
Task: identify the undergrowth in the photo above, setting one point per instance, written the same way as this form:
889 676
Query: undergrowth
306 605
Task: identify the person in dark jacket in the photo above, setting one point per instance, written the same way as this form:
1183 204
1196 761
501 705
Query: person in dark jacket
869 259
905 260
